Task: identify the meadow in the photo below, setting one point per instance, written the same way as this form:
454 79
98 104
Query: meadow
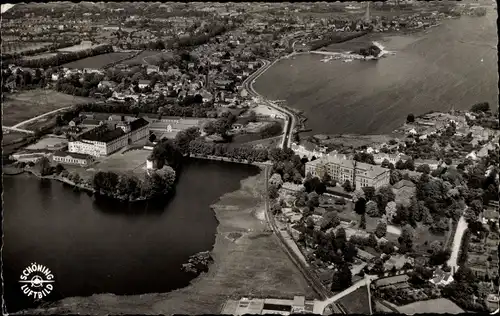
99 61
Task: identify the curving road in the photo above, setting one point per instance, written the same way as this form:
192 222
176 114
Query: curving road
289 116
38 117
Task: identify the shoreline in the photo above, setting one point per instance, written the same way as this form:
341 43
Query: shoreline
242 235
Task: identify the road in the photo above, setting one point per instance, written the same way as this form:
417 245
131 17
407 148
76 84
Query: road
17 130
289 116
39 117
457 242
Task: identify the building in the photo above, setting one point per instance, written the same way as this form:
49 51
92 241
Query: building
72 158
441 278
109 137
175 124
144 83
268 306
359 173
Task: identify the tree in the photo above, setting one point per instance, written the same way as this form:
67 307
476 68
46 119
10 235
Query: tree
342 278
369 192
480 107
43 166
410 118
395 177
273 191
406 239
385 164
59 168
360 206
362 223
152 137
313 199
409 164
276 180
384 196
424 168
359 193
372 209
330 219
347 186
381 229
390 211
326 178
350 252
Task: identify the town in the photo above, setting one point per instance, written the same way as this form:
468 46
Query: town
113 98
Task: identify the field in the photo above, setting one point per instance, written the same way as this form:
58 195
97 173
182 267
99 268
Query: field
356 140
25 105
147 57
252 265
132 160
48 142
423 235
356 302
99 61
440 305
10 137
19 47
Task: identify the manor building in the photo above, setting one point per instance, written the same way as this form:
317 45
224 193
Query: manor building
340 169
109 137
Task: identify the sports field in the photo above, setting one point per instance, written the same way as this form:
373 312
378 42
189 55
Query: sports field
99 61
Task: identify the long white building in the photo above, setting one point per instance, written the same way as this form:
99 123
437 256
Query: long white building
107 138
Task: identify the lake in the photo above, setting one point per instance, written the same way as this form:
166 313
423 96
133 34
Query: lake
107 247
453 65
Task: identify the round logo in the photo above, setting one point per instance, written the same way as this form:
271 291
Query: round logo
36 280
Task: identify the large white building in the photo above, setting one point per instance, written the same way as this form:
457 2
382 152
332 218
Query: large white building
108 138
340 169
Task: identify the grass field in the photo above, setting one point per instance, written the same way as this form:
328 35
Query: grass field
78 47
439 305
356 302
98 61
40 56
24 105
11 137
133 160
48 142
147 57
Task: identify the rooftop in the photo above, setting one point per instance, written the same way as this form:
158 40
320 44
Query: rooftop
102 134
72 155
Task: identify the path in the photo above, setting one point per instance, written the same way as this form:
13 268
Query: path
40 116
457 242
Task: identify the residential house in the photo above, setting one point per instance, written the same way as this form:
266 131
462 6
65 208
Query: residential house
144 83
380 157
308 150
489 215
152 69
441 278
107 84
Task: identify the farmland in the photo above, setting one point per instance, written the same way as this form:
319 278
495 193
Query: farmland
22 106
98 61
440 305
147 57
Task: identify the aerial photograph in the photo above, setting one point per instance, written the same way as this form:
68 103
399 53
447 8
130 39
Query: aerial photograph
238 158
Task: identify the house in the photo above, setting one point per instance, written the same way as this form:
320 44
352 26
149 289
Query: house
441 278
106 84
152 69
432 163
144 83
490 215
380 157
72 158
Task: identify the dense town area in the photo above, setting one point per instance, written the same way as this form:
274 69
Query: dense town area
111 98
